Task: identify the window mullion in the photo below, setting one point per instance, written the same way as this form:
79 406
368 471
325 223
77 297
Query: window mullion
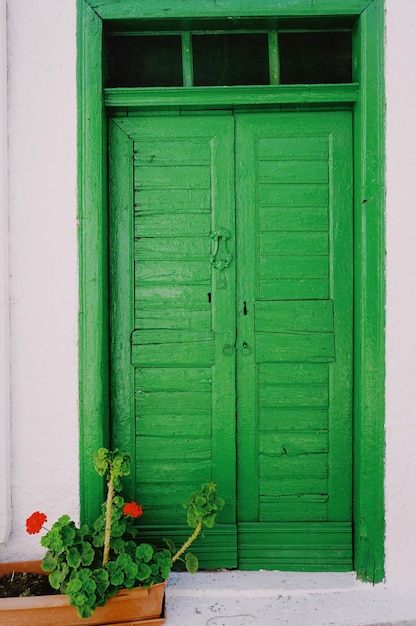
187 63
274 60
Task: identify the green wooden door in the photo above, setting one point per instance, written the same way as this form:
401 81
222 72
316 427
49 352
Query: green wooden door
231 283
294 348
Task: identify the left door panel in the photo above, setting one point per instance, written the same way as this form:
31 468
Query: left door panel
172 315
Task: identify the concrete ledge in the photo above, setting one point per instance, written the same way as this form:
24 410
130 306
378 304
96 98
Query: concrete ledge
236 598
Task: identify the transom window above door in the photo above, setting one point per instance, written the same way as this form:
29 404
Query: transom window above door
227 58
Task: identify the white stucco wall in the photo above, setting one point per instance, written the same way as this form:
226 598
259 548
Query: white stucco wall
43 264
43 273
401 291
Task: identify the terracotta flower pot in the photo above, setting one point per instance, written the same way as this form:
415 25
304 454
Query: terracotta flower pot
130 607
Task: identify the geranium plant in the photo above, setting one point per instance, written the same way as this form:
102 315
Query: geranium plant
91 563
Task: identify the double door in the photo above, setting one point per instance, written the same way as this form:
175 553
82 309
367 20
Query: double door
231 328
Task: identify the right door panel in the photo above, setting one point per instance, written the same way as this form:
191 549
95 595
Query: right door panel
294 340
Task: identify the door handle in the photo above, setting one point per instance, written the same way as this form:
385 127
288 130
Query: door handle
220 263
245 349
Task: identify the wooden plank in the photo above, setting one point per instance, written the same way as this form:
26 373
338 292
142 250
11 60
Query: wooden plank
295 508
292 347
179 402
293 148
159 470
193 272
121 294
301 315
289 493
293 418
155 296
369 298
293 444
307 546
172 177
151 337
224 318
171 348
166 201
293 218
174 318
177 425
161 225
192 151
194 447
297 374
279 396
247 261
292 289
298 195
214 97
293 266
171 248
171 379
310 465
94 392
342 284
294 243
134 9
286 172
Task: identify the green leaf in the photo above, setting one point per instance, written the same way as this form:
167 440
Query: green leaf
99 523
87 554
203 506
144 552
118 502
84 530
115 574
53 540
118 528
49 562
143 571
74 586
117 577
101 579
101 461
191 563
124 561
171 545
163 558
57 577
85 611
68 536
73 557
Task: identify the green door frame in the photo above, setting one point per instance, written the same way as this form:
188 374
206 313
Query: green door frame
369 245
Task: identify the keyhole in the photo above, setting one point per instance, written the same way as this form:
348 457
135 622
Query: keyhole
245 308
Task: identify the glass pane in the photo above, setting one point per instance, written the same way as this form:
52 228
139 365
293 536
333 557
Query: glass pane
315 57
232 59
144 61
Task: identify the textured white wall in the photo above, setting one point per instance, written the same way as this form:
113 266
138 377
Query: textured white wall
43 267
43 264
401 291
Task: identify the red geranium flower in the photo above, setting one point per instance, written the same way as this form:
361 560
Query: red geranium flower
35 522
133 509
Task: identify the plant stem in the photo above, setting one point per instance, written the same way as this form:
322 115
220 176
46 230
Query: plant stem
188 542
108 520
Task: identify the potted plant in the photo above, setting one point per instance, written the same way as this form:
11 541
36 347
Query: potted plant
103 568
